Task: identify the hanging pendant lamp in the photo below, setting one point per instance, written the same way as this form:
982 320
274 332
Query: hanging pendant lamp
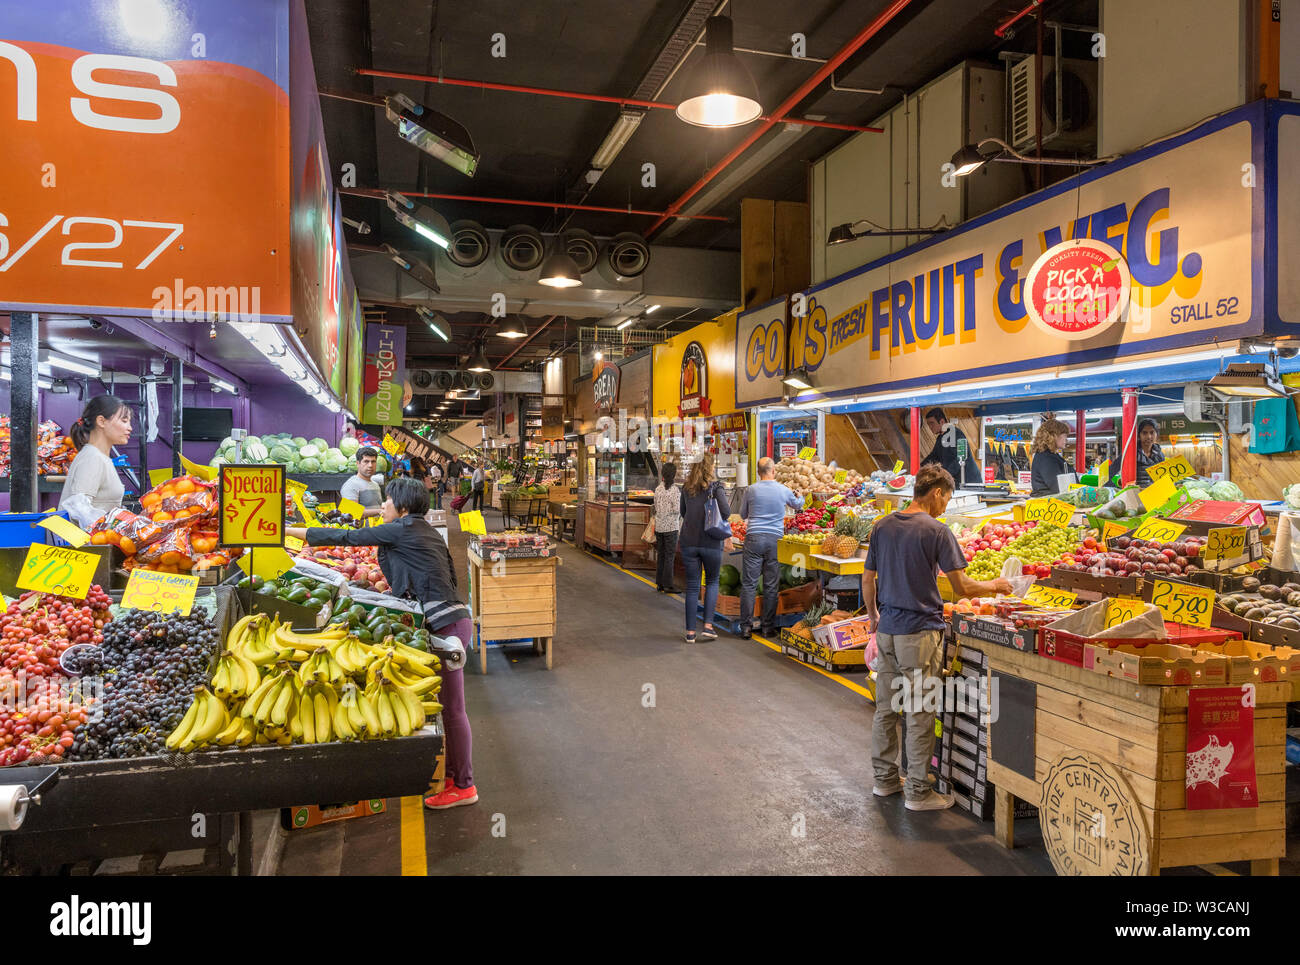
721 91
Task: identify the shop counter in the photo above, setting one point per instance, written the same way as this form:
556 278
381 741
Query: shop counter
615 527
513 599
795 553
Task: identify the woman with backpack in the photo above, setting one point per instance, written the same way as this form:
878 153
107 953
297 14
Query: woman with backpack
704 513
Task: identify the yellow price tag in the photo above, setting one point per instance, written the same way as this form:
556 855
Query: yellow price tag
1110 530
4 605
1183 603
352 508
57 569
1055 511
293 544
1103 473
1158 493
206 473
1160 530
324 508
392 446
251 505
898 467
840 476
160 592
807 452
268 563
472 522
1175 470
1046 596
1121 610
71 532
295 490
1226 543
159 476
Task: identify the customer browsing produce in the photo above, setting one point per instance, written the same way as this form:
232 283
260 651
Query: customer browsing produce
763 509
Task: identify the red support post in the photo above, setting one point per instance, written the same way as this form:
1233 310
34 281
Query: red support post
1128 439
916 439
1080 441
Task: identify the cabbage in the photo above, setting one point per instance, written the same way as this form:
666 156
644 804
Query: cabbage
251 441
334 461
348 445
1227 492
298 442
310 464
309 452
255 451
352 462
381 463
281 453
1198 492
1292 495
218 461
319 443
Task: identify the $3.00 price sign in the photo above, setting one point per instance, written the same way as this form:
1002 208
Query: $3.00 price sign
1183 603
57 569
1121 610
251 505
1046 596
160 592
1159 530
1055 511
1226 543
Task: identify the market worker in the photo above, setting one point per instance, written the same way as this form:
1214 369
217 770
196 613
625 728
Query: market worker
418 566
1148 453
93 486
763 509
1048 463
362 487
944 453
901 598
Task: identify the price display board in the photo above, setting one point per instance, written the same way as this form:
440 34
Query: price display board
898 467
807 452
1046 596
1159 530
251 505
841 475
160 592
69 531
1183 603
1157 494
1229 546
1055 511
1175 470
57 569
1121 610
1110 530
295 490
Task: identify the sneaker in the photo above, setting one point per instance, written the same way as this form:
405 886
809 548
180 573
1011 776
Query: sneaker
931 801
690 638
746 633
887 790
707 634
452 797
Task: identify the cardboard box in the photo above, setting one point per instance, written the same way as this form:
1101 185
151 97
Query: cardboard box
813 652
1156 664
1024 639
1203 515
850 634
311 815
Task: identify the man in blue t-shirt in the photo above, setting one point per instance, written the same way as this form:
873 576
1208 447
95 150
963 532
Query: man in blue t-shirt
763 509
901 597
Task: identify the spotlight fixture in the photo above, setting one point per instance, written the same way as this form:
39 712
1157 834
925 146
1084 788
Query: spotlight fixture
1247 380
479 363
844 233
416 269
599 355
439 325
799 379
512 328
723 93
624 324
971 157
559 270
221 384
652 309
421 219
432 132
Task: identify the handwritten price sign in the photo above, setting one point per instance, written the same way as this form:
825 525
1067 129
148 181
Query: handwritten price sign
1121 610
807 452
1175 470
1110 530
160 592
1045 596
1158 493
56 569
252 505
1160 530
1182 603
1226 543
1055 511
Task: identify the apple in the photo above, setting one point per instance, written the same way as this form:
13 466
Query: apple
382 586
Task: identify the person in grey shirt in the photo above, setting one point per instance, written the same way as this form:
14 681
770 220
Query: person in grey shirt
362 487
763 509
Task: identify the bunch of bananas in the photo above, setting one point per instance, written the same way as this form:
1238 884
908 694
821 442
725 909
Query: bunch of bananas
321 665
206 718
236 675
397 708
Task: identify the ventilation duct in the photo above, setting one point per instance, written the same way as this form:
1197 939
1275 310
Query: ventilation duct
422 378
485 380
470 245
442 381
626 256
521 251
582 248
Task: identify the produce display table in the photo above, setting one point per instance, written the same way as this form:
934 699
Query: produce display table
513 599
1077 744
790 552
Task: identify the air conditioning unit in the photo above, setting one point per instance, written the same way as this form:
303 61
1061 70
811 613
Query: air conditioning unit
1070 101
485 380
442 381
1202 405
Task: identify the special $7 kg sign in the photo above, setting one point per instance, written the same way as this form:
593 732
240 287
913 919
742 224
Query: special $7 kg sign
251 505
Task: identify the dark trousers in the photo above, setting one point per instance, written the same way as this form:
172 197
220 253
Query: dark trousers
695 558
478 498
665 551
760 556
436 495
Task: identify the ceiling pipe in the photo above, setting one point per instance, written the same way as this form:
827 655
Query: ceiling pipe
803 90
382 194
518 348
579 96
1002 28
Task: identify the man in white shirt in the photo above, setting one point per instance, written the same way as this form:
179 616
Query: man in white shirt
477 482
363 488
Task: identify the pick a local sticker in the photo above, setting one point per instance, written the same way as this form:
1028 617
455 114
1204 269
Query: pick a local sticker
1077 289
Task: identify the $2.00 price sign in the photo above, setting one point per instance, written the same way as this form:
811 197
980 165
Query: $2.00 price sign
1046 596
1177 469
1055 511
1121 610
57 569
160 592
1159 530
1183 603
251 505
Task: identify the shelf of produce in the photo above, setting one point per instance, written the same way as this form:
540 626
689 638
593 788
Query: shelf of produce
325 482
792 553
513 600
1132 740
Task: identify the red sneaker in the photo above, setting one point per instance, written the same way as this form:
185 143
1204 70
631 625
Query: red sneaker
452 797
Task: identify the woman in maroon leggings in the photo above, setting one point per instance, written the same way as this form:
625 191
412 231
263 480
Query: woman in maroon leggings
417 565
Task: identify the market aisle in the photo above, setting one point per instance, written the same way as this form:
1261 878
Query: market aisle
741 747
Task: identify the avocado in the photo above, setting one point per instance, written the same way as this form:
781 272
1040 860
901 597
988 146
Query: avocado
313 604
298 594
266 589
1291 623
363 634
357 614
1258 613
1270 592
1250 584
323 593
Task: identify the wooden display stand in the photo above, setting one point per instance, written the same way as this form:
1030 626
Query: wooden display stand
1087 737
513 599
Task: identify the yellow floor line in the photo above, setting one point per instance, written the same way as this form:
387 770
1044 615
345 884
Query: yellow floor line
415 856
839 679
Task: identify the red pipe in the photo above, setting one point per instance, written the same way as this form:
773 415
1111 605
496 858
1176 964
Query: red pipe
1002 28
537 331
1080 442
1128 439
804 89
579 96
915 415
381 193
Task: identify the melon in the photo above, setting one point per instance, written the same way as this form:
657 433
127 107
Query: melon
898 482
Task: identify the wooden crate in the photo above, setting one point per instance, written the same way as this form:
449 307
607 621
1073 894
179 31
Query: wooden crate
1140 733
513 600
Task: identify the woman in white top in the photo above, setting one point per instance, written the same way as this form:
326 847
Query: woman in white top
93 486
668 521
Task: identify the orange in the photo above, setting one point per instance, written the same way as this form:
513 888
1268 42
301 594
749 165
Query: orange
150 501
127 546
162 517
99 539
185 485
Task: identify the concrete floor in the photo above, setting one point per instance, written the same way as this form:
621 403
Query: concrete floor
742 749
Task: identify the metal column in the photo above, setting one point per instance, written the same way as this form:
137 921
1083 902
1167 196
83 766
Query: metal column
1080 442
178 406
916 439
1128 439
24 391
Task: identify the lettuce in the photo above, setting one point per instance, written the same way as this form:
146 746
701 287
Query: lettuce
1227 491
348 445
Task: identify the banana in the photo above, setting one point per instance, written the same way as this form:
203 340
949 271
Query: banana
182 730
401 714
200 719
254 700
412 669
281 712
259 650
414 706
406 705
248 732
214 723
351 707
429 685
221 677
307 720
431 707
322 706
384 707
412 655
370 711
343 728
295 725
252 676
232 732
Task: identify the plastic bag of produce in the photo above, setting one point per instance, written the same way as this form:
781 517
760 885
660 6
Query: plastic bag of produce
1091 622
125 530
174 553
178 493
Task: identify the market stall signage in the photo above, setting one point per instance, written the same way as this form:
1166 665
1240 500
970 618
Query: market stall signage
351 507
604 385
206 473
841 475
1090 819
1077 289
694 383
65 529
1054 511
807 452
159 476
160 592
293 544
385 370
898 466
57 569
1175 469
1159 530
251 505
1110 530
1046 596
472 522
1157 494
295 489
271 563
1183 603
1221 748
1103 473
1229 545
1121 610
392 446
693 373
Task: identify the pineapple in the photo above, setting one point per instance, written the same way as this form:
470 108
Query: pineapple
862 530
844 543
813 616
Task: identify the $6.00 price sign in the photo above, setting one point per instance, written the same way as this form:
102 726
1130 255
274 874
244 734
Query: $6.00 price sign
56 569
160 592
1183 603
1055 511
1159 530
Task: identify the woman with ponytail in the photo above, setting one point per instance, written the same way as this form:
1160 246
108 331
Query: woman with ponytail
93 486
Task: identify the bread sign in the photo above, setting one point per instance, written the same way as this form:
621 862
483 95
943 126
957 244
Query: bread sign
1077 289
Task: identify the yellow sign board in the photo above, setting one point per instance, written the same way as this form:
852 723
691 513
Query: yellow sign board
1226 543
1046 596
1159 530
1158 493
1175 470
472 522
352 508
251 505
807 452
268 563
1055 511
206 473
898 467
392 446
1121 610
69 531
1183 603
160 592
1103 473
159 476
295 489
293 544
1110 530
57 569
841 475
